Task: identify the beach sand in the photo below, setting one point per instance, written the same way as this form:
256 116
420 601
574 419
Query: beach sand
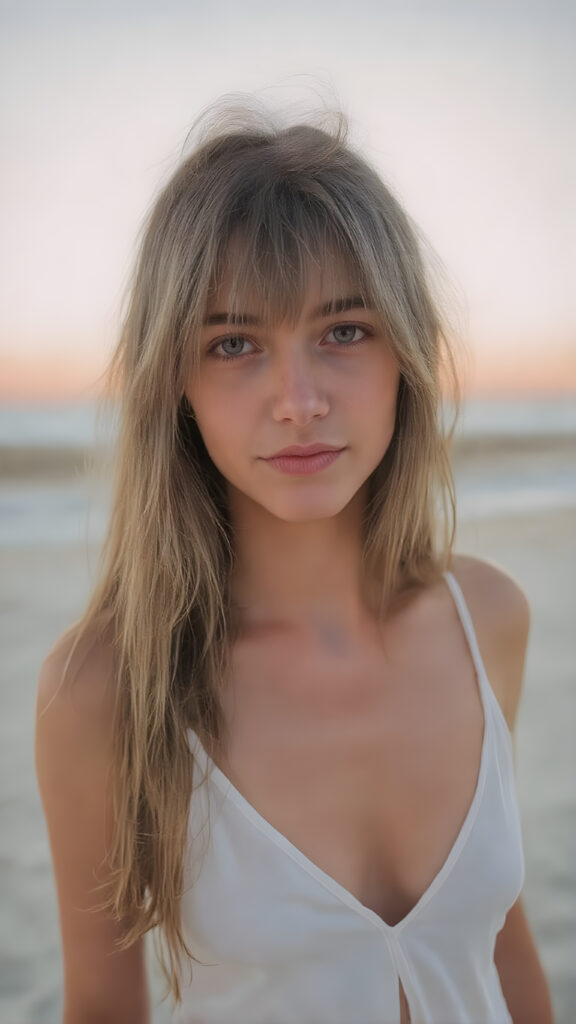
42 590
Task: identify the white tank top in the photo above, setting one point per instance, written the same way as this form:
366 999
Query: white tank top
281 942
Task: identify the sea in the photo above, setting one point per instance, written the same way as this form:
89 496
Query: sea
518 456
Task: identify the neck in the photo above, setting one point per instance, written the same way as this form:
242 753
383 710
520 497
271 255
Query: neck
305 577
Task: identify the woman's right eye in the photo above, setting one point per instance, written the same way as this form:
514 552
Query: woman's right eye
234 340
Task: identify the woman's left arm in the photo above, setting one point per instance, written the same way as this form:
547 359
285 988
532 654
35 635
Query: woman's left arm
502 616
521 976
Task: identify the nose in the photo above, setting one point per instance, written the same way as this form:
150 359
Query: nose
298 394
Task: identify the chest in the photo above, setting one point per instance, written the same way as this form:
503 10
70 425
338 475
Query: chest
365 760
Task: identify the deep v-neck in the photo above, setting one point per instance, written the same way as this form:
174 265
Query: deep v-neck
229 791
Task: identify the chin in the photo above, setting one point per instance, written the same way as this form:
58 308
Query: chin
308 511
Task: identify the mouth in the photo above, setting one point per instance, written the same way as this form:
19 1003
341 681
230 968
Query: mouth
303 451
303 465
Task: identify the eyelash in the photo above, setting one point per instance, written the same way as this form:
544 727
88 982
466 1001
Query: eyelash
367 332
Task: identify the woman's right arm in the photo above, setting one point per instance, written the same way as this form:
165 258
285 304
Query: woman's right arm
102 985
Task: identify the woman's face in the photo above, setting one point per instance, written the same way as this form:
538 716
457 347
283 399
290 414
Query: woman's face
330 378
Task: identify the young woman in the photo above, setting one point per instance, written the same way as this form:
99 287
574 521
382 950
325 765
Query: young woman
281 730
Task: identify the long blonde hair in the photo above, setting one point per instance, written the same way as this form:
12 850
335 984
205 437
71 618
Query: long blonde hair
286 194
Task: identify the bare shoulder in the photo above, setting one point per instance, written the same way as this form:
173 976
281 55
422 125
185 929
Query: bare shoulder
77 671
501 615
74 755
496 596
74 716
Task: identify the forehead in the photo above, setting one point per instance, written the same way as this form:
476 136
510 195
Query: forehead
274 296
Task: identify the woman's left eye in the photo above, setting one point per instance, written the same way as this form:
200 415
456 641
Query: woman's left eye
348 334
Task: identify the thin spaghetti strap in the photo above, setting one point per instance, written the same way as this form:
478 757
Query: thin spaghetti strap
489 699
199 753
468 627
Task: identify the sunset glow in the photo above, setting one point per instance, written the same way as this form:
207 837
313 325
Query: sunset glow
466 112
60 377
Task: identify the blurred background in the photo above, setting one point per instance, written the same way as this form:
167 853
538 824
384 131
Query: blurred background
468 112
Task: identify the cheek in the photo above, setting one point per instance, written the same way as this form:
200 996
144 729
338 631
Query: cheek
222 426
214 429
380 391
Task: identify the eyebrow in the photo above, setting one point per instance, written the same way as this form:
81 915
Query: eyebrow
326 309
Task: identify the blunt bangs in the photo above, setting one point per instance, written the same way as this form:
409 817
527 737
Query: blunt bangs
269 250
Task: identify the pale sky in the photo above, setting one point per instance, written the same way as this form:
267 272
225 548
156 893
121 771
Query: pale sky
467 110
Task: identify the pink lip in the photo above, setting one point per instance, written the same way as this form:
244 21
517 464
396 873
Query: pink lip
305 450
304 465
